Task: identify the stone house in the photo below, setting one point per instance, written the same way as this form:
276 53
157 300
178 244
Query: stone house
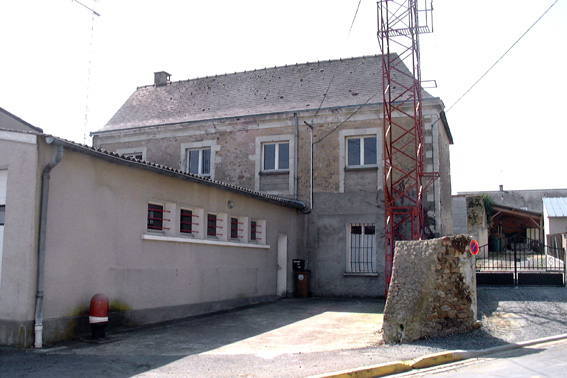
309 132
516 213
161 244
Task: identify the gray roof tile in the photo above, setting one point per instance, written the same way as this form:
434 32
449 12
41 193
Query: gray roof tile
343 82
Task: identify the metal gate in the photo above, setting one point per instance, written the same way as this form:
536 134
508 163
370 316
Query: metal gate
520 262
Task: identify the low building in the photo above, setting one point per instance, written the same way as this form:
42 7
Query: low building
161 244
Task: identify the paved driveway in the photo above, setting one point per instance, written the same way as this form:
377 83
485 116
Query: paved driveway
291 337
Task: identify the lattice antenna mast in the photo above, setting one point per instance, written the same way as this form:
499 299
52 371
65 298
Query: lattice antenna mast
399 28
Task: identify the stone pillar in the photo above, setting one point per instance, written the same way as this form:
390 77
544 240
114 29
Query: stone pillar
433 290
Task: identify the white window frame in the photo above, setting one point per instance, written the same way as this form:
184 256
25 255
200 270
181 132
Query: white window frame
133 152
259 160
362 139
276 157
200 165
186 148
359 259
343 154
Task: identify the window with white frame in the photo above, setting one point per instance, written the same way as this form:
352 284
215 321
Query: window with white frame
361 248
135 155
2 214
361 151
199 161
275 156
157 217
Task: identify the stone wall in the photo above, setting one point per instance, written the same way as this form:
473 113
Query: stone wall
433 290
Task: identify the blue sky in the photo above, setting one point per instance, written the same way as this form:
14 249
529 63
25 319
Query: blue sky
509 130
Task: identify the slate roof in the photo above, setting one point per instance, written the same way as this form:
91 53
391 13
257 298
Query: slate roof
556 207
343 82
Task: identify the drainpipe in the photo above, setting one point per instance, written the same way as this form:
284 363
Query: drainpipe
38 328
296 159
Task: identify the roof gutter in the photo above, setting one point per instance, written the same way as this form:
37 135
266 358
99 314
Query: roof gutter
236 117
45 178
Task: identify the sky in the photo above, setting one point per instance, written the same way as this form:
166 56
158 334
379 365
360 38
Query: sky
66 70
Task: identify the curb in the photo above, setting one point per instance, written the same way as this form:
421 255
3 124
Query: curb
431 360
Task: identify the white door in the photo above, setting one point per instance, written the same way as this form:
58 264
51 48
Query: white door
282 266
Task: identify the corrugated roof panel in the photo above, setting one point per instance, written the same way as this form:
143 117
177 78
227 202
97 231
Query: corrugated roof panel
556 207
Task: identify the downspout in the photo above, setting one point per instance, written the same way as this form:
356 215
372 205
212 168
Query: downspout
296 158
45 177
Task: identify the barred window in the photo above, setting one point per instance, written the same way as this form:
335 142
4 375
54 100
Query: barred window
361 253
156 217
188 222
214 225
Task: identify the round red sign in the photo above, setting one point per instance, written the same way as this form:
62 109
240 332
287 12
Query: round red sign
474 247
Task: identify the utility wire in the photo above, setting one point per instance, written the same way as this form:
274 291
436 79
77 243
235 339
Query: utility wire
511 47
349 117
359 1
92 10
335 69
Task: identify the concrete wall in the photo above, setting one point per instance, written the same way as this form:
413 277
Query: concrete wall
98 242
18 261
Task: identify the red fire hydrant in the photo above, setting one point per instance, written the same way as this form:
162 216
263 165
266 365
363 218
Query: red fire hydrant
98 316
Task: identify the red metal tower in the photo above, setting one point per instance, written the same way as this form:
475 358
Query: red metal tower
404 178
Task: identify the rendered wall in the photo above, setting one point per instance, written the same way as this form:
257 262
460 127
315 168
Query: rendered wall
97 242
18 264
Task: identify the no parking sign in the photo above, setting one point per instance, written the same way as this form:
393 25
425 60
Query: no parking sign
473 247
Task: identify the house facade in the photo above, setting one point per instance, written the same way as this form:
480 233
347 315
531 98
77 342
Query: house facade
161 244
307 132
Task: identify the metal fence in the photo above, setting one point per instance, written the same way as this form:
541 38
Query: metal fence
520 260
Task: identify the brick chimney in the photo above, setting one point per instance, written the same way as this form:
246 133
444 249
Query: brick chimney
161 78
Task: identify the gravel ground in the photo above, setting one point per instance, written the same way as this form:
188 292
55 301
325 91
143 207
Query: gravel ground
508 315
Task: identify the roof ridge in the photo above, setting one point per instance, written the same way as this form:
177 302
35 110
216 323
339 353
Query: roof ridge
265 69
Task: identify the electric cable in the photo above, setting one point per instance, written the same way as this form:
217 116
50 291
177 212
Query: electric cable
499 59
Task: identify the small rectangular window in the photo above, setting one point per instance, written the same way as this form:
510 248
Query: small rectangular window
135 155
361 151
2 214
235 228
276 156
156 217
214 226
188 221
199 161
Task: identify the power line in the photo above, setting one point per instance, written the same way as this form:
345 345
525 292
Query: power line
355 13
511 47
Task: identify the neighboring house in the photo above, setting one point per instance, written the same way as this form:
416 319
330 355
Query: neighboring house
516 213
311 132
529 199
555 221
160 243
8 121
